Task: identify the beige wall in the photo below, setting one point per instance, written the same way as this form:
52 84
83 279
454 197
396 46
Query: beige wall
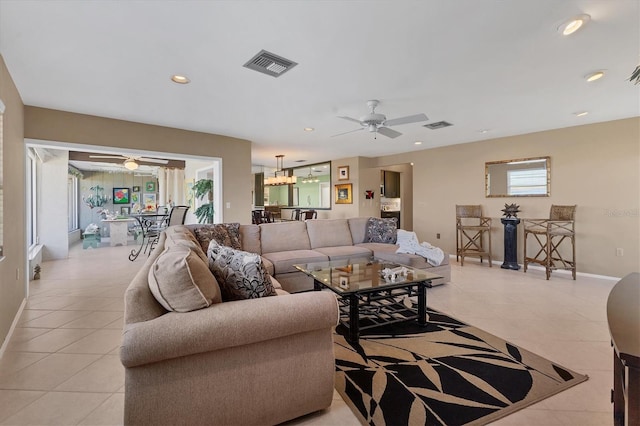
12 284
596 167
52 125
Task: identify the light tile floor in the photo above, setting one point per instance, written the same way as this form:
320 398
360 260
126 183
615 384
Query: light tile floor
61 365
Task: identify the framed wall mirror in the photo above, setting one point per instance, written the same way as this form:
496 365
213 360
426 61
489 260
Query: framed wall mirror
525 177
312 189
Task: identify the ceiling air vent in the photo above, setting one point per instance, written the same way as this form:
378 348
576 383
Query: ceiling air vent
270 64
438 125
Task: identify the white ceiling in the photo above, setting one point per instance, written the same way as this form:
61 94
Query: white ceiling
479 64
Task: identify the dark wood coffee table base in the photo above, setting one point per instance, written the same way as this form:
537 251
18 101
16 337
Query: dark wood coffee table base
372 308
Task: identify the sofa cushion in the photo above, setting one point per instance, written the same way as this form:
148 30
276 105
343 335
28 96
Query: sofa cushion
284 236
182 282
283 261
345 252
329 233
241 274
250 238
187 240
382 230
268 265
358 228
226 234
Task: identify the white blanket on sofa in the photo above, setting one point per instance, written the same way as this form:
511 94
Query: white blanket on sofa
408 243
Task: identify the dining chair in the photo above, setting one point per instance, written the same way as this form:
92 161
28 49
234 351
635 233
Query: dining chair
309 214
176 216
256 217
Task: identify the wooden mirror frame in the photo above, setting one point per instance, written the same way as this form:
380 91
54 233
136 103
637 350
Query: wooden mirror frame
496 177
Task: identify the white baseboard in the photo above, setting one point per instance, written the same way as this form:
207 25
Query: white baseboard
12 328
541 268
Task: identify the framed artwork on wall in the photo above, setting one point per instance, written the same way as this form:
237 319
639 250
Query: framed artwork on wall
125 211
150 187
136 188
343 172
149 201
343 193
121 196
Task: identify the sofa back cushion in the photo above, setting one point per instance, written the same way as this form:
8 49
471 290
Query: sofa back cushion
182 282
329 233
250 238
284 236
358 228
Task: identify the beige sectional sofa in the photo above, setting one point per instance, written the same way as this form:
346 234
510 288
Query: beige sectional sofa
284 244
256 361
246 362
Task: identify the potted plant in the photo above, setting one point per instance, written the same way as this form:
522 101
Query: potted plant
203 187
635 76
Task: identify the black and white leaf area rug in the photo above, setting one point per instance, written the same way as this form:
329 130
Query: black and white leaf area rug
444 373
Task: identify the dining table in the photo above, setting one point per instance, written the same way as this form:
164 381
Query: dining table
149 225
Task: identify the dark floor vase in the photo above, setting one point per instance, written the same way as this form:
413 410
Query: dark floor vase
510 243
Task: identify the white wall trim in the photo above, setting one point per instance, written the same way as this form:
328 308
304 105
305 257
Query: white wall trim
540 268
12 328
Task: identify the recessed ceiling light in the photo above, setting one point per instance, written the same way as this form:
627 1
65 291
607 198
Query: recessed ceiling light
581 114
417 143
309 129
594 76
484 131
180 79
574 24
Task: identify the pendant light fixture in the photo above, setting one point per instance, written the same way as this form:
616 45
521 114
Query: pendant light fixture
280 176
310 178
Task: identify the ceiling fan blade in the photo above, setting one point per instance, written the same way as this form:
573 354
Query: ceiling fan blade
152 160
406 120
350 131
390 133
350 119
119 157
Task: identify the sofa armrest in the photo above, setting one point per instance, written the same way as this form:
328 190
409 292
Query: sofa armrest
226 325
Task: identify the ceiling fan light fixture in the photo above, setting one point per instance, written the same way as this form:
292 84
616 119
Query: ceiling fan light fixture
180 79
597 75
572 25
130 164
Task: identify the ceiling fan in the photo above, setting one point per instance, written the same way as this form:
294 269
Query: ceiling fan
131 162
378 123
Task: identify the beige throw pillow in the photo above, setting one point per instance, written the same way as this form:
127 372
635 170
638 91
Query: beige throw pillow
185 240
181 282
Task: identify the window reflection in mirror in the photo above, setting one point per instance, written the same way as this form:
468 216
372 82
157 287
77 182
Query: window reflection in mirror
526 177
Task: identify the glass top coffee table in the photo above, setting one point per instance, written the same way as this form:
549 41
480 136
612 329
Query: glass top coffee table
372 292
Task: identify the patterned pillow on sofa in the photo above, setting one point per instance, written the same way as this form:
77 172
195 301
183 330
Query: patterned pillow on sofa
240 274
382 230
225 234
